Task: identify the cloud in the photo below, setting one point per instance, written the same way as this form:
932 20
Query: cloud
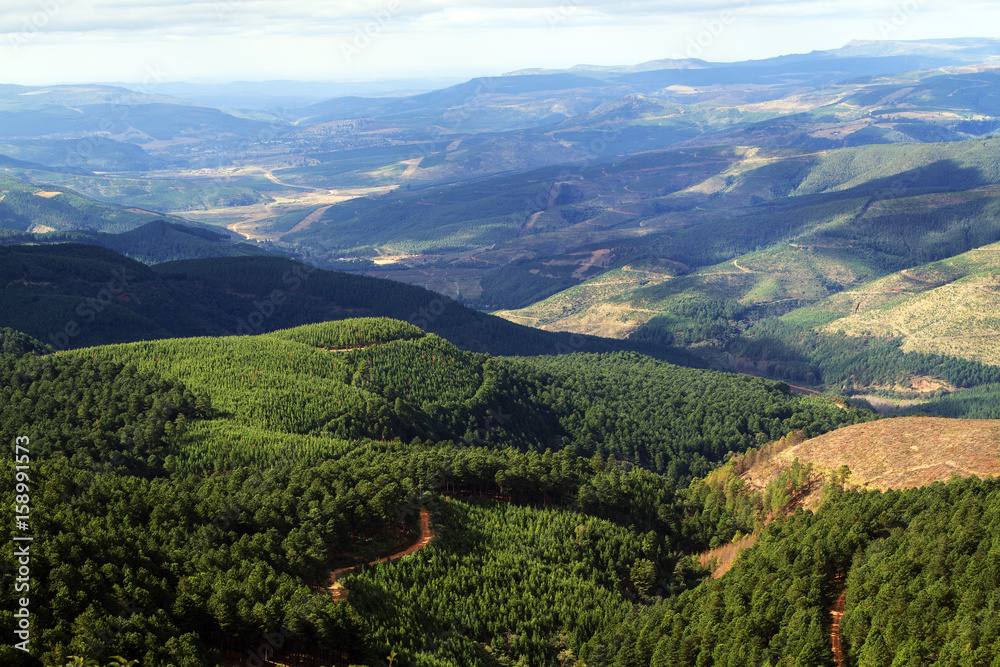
287 16
50 40
145 19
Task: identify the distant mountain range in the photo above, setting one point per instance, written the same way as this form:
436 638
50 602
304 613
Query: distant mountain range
729 208
956 51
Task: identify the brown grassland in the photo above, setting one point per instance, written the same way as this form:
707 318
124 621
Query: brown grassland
905 452
895 453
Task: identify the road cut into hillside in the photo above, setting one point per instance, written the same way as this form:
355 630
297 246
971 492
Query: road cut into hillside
337 590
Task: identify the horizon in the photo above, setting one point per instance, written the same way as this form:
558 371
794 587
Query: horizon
63 42
153 78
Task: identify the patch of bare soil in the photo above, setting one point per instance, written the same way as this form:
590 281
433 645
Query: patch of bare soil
895 453
721 558
309 219
905 452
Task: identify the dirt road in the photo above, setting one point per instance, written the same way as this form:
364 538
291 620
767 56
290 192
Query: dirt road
837 612
337 590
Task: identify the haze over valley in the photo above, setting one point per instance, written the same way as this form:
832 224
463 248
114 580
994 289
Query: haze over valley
347 352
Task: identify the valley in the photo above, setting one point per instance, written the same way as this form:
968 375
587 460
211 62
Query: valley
654 196
678 363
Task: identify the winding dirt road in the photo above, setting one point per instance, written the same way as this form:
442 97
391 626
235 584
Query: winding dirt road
337 590
836 613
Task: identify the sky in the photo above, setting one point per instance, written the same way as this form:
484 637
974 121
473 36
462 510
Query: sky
45 42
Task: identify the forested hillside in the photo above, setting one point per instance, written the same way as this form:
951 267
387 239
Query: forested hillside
70 295
312 389
27 207
152 243
920 570
593 388
243 470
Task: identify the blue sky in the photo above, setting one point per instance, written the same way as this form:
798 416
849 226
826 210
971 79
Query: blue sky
76 41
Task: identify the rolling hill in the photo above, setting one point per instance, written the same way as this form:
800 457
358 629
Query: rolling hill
245 469
72 295
899 453
152 243
27 207
319 387
205 440
848 216
946 307
816 255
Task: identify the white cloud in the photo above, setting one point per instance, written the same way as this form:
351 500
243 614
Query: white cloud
79 40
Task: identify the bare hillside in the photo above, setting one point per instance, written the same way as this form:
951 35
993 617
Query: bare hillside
904 452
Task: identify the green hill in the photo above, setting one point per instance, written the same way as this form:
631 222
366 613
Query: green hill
318 386
199 438
152 243
946 307
28 207
216 460
71 295
244 467
847 217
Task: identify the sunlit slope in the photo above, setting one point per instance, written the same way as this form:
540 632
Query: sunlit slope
848 217
948 307
649 295
907 451
73 295
314 390
885 454
28 207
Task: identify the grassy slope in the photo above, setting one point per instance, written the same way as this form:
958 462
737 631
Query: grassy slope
947 307
23 209
906 451
853 216
896 453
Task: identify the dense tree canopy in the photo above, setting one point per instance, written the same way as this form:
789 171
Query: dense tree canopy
190 497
